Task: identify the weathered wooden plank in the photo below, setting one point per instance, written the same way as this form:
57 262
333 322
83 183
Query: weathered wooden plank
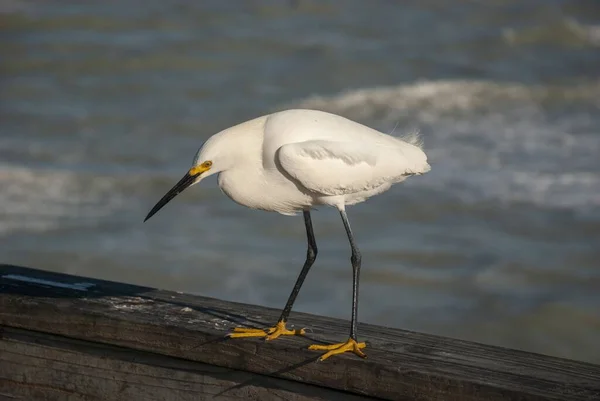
402 365
44 367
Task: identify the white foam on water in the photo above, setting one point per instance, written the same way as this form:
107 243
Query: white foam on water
487 140
38 200
429 99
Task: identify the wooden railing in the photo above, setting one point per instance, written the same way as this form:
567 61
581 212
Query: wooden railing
76 338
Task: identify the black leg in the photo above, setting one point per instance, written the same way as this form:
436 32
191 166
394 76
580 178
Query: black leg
311 255
355 259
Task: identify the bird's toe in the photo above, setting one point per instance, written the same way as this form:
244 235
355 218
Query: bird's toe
271 333
334 349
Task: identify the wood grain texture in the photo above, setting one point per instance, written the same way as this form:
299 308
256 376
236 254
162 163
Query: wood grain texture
402 365
39 366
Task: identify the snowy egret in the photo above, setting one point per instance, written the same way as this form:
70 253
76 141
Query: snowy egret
290 161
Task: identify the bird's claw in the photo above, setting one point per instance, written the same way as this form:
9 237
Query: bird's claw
269 334
333 349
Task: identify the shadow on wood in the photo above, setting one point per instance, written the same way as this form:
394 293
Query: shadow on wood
76 338
55 367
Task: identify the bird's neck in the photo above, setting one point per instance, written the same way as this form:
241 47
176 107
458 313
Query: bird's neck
244 144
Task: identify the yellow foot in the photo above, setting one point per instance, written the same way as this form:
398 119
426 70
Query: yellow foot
334 349
270 334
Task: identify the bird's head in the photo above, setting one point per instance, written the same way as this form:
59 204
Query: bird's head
206 162
225 150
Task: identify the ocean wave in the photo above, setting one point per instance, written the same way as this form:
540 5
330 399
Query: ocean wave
38 200
431 98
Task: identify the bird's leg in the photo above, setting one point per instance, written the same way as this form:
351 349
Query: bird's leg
280 329
352 344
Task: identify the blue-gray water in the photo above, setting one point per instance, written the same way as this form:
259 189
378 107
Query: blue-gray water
103 105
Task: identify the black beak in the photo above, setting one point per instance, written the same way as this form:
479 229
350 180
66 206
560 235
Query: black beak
185 182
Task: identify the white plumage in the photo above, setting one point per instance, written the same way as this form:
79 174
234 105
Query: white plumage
290 161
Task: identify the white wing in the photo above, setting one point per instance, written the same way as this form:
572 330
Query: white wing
340 168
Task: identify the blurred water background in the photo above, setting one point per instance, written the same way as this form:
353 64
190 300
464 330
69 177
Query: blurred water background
104 103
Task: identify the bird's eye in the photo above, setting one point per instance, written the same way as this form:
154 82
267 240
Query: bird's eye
207 163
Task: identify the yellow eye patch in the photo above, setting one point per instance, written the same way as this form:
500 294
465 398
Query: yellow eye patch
200 168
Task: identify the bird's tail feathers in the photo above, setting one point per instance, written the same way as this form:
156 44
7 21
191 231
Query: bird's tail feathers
413 137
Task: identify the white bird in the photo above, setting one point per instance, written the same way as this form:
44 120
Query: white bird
290 161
